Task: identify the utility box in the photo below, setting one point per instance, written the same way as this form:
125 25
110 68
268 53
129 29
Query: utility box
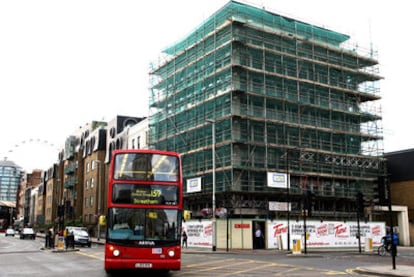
368 245
297 248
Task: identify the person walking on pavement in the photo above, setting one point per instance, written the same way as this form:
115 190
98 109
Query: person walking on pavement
49 243
184 239
70 240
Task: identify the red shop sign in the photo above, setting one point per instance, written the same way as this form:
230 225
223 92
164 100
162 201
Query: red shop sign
242 226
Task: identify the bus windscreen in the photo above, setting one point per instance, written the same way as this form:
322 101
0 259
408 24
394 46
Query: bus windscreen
146 167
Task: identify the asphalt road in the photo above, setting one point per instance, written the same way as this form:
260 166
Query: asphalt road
29 258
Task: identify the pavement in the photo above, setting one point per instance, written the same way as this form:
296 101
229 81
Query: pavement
375 270
383 270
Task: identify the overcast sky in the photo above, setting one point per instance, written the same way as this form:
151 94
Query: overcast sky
66 63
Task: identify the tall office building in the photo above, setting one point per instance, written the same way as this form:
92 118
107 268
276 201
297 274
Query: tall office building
10 178
280 96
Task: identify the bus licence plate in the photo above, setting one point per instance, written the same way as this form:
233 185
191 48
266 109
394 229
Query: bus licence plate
143 265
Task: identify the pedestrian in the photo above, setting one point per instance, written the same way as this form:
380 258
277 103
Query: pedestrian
70 240
184 239
51 238
47 239
258 242
389 241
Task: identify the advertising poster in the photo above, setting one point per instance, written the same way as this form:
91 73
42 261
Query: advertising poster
277 180
324 234
199 234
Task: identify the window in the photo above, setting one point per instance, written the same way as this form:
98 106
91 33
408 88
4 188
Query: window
87 185
87 167
92 182
95 164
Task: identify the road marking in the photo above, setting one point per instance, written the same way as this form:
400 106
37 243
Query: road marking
352 272
100 257
225 265
335 273
261 267
208 263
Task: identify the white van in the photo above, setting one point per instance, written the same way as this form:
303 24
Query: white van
81 235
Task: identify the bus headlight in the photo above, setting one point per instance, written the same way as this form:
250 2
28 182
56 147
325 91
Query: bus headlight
171 253
116 252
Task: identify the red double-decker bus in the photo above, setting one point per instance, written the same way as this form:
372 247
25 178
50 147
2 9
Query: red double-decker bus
144 211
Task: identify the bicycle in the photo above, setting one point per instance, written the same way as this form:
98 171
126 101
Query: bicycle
386 246
383 249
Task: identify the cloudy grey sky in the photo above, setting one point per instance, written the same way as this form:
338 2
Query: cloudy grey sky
66 63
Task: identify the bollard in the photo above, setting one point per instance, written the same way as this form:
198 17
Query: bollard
279 242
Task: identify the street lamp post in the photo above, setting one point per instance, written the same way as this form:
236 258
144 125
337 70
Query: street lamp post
98 188
213 150
393 245
58 206
11 216
288 198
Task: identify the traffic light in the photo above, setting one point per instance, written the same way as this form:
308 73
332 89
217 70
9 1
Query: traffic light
381 196
308 202
102 220
61 210
187 215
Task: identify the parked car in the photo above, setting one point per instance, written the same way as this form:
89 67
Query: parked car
27 233
10 232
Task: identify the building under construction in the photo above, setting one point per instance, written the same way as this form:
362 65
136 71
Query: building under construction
278 95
